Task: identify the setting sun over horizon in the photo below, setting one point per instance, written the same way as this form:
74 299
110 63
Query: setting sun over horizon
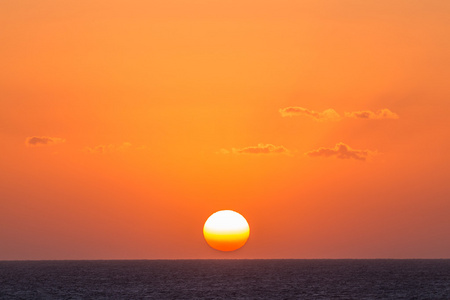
226 230
126 124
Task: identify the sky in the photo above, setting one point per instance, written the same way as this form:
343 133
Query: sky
125 124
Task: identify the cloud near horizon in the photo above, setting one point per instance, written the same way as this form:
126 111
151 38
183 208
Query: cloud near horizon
111 148
36 141
259 149
327 115
331 115
367 114
341 151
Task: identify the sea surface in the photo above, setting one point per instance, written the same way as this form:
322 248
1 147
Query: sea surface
226 279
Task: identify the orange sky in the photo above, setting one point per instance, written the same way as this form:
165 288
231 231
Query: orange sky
125 124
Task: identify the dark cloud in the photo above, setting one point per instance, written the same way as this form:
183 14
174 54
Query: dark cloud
341 151
35 141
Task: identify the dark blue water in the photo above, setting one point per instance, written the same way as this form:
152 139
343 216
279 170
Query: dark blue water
226 279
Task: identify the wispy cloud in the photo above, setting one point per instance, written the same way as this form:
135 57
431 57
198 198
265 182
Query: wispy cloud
326 115
341 151
259 149
111 148
367 114
36 141
331 115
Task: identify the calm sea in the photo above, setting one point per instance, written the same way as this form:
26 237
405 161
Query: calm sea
226 279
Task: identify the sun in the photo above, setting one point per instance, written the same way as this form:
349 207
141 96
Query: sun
226 230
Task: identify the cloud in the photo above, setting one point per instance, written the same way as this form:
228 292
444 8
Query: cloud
326 115
341 151
36 141
103 149
367 114
331 115
224 151
259 149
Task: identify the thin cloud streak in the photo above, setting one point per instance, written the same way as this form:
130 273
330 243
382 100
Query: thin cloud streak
111 148
326 115
37 141
259 149
370 115
341 151
331 115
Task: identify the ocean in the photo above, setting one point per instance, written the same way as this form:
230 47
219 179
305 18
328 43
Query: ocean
226 279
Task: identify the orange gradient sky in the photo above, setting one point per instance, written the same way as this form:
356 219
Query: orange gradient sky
125 124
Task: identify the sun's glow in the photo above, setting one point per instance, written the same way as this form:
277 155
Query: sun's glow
226 230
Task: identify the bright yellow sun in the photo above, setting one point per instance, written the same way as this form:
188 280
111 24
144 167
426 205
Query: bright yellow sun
226 230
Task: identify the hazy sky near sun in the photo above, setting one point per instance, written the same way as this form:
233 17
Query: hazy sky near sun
125 124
